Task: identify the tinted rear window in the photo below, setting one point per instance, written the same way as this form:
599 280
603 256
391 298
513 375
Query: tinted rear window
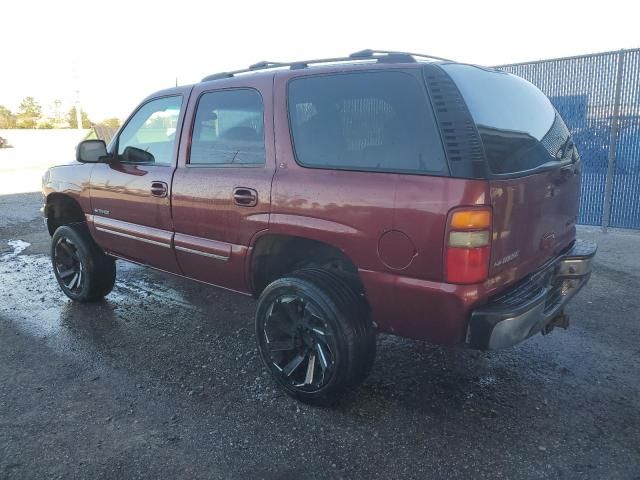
514 118
379 121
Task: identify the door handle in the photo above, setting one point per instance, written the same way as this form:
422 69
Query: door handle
159 189
245 197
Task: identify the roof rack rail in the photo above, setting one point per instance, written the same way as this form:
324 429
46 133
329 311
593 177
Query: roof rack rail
265 64
368 53
381 56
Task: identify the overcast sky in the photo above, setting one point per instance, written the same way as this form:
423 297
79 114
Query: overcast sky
124 50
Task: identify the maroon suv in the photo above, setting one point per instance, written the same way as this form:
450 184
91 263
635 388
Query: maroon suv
383 192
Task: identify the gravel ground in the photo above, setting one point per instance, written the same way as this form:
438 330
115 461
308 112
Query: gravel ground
162 380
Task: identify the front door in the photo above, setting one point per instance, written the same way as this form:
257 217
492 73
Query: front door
130 195
222 187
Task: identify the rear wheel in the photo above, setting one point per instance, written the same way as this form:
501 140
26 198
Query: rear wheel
314 335
82 269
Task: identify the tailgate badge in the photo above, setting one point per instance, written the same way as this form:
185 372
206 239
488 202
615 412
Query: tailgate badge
507 259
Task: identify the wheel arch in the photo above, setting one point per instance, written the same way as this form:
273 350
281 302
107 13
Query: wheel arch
276 254
61 209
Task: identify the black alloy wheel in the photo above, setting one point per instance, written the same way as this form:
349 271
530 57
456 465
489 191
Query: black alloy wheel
314 335
299 342
68 266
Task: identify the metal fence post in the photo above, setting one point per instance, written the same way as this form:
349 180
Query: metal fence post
613 144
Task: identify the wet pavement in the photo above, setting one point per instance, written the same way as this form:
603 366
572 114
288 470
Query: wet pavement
162 380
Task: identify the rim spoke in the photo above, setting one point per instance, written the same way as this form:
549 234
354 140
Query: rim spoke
73 282
281 345
320 331
67 273
322 357
308 379
293 364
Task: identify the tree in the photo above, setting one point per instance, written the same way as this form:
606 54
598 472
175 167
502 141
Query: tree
29 112
7 118
73 121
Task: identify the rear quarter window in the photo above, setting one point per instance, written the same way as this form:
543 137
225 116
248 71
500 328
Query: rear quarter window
374 121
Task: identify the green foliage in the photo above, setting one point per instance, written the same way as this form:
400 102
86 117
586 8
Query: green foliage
73 121
7 118
29 112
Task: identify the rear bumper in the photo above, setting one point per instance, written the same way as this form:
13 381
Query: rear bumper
532 304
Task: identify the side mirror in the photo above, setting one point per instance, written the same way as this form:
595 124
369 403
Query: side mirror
91 151
137 155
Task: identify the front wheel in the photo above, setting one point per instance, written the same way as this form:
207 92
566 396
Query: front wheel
82 269
314 335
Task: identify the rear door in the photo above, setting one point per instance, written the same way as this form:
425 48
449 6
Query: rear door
532 166
221 194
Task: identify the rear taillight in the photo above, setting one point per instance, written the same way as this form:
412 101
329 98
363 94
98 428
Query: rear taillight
467 246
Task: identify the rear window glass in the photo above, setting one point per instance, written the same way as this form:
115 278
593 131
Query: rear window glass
379 121
513 117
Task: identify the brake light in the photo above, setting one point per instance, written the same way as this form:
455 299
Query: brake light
467 249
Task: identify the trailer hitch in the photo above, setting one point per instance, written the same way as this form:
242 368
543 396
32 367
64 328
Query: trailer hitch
561 320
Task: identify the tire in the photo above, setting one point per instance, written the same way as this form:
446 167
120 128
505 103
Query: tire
83 271
314 335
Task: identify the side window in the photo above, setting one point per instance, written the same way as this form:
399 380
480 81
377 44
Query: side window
150 135
228 129
379 121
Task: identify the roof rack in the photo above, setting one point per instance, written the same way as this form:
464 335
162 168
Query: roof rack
380 56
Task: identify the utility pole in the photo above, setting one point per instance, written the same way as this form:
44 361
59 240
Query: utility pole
77 96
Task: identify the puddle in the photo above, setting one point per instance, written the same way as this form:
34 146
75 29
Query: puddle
32 302
144 288
18 246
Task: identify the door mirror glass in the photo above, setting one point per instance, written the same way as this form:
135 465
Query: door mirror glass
91 151
137 155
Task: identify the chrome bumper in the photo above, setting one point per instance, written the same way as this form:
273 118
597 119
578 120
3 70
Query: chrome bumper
533 303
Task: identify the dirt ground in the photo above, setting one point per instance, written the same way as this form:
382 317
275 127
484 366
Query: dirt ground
162 380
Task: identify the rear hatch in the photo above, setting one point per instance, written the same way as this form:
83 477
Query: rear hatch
532 167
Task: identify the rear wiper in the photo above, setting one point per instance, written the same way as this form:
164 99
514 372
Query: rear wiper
567 146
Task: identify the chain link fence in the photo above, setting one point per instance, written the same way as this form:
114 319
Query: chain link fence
598 96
